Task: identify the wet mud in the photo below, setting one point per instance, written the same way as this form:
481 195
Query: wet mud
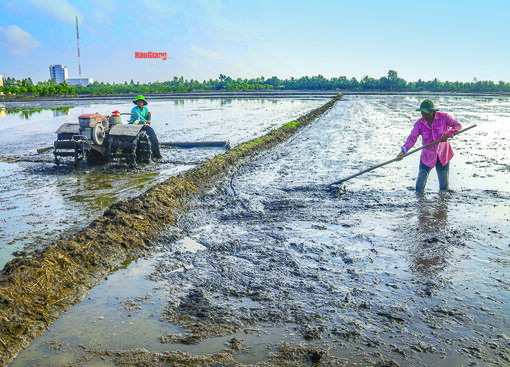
375 276
268 268
262 267
35 290
285 356
16 159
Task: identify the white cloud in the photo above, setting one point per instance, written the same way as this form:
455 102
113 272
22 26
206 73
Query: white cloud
17 40
58 9
207 54
159 8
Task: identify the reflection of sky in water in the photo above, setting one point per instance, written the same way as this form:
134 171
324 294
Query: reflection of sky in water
236 120
37 202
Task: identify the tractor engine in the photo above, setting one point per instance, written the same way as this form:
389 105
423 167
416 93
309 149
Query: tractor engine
93 127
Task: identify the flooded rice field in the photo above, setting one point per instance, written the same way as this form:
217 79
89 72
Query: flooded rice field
269 268
40 202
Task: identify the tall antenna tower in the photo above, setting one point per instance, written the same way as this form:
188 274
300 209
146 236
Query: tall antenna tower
78 43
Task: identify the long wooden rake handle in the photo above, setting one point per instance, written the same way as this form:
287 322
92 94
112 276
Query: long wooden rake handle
394 159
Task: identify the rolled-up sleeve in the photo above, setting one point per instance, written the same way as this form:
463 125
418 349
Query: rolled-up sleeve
411 140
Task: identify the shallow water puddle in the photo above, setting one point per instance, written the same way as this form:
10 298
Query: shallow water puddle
121 311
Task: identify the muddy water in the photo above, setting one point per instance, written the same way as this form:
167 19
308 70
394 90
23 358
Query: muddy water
39 202
376 275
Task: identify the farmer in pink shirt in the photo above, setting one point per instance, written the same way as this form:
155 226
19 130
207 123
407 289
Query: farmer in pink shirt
432 126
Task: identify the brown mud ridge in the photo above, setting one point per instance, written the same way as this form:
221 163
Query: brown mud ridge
36 290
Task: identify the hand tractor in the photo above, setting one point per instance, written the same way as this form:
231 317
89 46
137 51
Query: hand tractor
97 139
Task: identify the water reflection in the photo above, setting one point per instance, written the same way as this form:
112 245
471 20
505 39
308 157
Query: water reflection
95 191
25 113
433 212
429 252
61 111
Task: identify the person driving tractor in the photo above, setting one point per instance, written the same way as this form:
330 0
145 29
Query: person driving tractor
140 112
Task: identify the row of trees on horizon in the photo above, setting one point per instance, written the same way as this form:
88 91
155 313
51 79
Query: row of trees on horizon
390 82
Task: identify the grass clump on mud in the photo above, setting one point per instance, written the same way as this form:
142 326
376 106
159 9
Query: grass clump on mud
36 290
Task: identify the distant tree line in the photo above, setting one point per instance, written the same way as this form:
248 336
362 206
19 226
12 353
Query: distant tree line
390 82
26 87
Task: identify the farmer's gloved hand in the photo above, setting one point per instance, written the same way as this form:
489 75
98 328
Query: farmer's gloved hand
400 155
444 138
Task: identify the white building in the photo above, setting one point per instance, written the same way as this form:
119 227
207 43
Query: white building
76 81
58 73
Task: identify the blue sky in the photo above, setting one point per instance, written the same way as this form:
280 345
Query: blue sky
450 40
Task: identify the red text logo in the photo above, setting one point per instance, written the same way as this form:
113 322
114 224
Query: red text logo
151 55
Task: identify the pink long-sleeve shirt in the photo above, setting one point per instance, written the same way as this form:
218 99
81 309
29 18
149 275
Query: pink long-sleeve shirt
443 124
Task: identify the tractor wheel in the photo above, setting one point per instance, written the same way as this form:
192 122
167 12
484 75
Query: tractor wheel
143 148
